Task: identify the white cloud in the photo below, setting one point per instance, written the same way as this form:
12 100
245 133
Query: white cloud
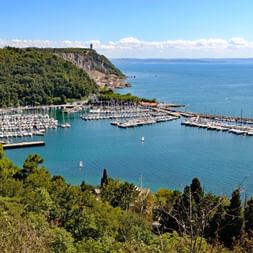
240 43
133 47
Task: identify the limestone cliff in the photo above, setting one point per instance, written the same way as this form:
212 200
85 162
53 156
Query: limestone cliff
98 67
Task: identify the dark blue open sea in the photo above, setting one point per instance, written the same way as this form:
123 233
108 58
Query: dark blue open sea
172 154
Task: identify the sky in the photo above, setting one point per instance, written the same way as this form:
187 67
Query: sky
132 28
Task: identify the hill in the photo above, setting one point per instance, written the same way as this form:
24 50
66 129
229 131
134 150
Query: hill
98 67
35 76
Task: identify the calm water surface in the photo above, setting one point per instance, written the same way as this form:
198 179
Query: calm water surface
172 154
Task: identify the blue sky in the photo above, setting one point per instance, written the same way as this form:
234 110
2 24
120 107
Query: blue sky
133 28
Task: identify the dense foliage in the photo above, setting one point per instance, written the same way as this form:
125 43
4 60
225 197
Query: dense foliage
42 213
110 96
38 77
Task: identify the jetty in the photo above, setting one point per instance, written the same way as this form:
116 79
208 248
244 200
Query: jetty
217 117
23 144
214 125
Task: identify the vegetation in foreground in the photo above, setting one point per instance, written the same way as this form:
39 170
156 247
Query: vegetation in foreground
42 213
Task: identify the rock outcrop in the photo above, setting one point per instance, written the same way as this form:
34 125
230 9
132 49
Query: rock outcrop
98 67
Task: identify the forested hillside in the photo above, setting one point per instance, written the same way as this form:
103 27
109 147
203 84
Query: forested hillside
37 77
42 213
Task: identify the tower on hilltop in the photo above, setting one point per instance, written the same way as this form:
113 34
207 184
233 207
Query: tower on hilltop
91 46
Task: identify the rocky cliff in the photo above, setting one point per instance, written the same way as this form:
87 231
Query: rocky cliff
98 67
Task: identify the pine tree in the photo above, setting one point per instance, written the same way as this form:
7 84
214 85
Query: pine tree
196 190
104 179
248 215
233 220
214 226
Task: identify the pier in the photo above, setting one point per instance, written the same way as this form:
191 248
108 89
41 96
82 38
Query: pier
24 144
217 117
142 121
215 125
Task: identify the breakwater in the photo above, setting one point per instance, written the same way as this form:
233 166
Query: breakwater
23 144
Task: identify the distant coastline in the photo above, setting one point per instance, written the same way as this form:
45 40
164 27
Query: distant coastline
182 60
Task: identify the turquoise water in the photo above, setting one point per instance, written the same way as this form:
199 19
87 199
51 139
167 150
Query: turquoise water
224 86
172 154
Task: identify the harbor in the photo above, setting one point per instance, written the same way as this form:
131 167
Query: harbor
139 115
22 123
25 125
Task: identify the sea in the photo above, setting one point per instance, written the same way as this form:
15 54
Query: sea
172 154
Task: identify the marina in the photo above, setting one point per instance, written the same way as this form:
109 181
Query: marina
22 124
130 116
139 115
25 125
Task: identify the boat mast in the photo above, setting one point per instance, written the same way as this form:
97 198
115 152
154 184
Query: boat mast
141 179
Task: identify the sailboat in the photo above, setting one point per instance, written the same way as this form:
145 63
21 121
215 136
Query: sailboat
142 139
81 164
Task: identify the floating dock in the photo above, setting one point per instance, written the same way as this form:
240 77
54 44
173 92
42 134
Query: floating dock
218 126
142 121
24 144
242 120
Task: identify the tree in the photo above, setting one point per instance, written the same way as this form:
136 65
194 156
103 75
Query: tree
190 216
61 241
17 234
86 187
104 179
233 220
119 194
1 151
31 164
196 190
214 226
248 216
